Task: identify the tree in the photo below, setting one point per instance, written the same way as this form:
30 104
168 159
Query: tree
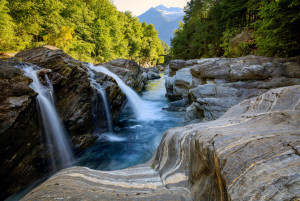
90 30
238 27
277 30
6 27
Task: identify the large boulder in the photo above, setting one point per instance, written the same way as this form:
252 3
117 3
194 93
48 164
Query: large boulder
23 156
250 153
216 84
76 100
74 93
129 71
151 73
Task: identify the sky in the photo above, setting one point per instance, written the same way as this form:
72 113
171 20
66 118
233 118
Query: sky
138 7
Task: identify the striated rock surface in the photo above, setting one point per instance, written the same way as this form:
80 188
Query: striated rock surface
72 91
22 155
214 85
250 153
137 183
74 95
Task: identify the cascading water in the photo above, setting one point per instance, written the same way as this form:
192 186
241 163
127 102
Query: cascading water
138 106
134 141
97 87
54 130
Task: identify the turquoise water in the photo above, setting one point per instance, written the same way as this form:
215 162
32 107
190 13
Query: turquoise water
133 141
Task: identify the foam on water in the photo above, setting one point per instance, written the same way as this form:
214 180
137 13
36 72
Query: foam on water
143 110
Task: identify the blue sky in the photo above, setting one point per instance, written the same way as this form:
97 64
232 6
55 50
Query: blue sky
138 7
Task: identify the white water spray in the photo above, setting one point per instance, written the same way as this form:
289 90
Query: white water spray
98 88
53 128
136 103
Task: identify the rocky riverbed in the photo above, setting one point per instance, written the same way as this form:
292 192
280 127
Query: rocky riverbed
24 157
207 88
246 146
250 153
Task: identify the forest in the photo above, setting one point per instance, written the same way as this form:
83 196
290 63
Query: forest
89 30
233 28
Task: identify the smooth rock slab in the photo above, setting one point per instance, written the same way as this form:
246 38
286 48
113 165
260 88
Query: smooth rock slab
137 183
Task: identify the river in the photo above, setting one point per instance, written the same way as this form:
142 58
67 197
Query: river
133 141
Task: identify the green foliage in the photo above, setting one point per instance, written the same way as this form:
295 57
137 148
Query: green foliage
6 27
165 47
92 30
237 42
235 28
200 35
278 29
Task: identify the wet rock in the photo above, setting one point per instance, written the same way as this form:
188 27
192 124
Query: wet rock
129 71
214 85
71 84
178 106
83 141
250 153
22 158
151 73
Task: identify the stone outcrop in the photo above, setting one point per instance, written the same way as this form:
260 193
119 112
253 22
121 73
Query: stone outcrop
214 85
130 73
75 96
250 153
152 73
73 91
22 155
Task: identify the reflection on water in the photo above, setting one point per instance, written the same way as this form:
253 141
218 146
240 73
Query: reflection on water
133 141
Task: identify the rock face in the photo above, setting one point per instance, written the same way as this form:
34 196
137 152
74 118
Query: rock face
72 90
24 158
130 73
250 153
74 94
20 131
152 73
212 86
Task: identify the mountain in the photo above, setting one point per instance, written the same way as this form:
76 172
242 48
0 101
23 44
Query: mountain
164 19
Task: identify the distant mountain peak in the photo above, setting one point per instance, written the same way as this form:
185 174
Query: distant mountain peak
164 19
160 7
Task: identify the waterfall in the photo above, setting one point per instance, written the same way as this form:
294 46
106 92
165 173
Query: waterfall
55 133
98 88
135 102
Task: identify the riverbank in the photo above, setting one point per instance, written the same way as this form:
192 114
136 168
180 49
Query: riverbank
211 160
